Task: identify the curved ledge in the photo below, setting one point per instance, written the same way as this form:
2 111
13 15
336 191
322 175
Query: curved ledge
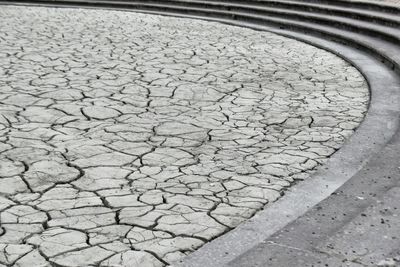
376 131
379 126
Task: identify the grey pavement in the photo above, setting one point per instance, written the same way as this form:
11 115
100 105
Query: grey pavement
132 140
359 225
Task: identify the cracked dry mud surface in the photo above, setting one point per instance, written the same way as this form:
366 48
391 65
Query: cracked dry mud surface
131 140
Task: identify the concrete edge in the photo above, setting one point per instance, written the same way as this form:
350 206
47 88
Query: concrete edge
379 125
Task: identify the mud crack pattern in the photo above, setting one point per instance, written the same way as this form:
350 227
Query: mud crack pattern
131 140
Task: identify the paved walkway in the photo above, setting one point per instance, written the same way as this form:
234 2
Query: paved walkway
134 139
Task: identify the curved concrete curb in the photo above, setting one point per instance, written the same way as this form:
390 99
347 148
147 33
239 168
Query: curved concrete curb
380 124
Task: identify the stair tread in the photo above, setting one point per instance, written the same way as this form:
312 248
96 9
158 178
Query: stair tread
384 30
366 12
390 51
262 4
349 21
361 3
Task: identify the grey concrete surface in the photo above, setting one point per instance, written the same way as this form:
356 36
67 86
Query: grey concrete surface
359 225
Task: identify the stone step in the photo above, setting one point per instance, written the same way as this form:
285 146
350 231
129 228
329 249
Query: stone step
348 5
363 38
378 6
217 7
267 7
359 222
390 33
349 12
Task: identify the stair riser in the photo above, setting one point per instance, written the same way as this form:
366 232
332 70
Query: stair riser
245 17
265 21
176 6
290 6
256 5
277 14
362 5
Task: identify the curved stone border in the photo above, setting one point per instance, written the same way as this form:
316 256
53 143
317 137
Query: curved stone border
380 124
